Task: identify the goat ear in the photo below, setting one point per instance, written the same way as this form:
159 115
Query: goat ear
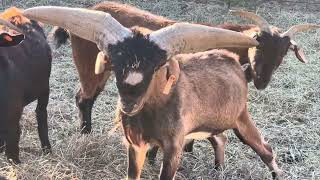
172 75
101 63
7 40
298 51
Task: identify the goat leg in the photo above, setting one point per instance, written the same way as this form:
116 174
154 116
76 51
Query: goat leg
188 147
2 145
152 154
85 110
218 143
171 158
136 158
12 137
250 135
42 120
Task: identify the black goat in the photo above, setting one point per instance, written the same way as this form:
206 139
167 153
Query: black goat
24 77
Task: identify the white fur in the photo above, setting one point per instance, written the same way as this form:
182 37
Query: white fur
134 78
198 135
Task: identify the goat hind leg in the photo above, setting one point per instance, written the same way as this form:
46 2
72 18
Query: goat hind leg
85 99
152 154
248 133
12 137
42 120
218 143
85 109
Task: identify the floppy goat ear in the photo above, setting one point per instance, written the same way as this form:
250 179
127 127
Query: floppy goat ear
298 51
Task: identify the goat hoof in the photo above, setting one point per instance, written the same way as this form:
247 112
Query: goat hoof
46 150
277 175
85 130
2 148
219 167
14 160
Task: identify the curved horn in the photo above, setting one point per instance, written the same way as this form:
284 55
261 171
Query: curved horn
299 28
11 26
261 22
185 38
95 26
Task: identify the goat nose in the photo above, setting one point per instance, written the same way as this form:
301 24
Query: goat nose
127 107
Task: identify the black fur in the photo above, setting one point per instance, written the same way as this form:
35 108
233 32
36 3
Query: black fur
60 36
125 55
269 55
24 77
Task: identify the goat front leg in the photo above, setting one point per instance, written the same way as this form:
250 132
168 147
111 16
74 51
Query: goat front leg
218 143
42 119
136 158
171 159
250 135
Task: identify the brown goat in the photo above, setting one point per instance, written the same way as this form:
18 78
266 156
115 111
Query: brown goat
161 103
24 77
264 59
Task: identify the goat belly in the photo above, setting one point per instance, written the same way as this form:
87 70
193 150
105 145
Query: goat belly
198 135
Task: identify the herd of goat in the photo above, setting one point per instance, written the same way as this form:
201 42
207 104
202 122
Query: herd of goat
177 81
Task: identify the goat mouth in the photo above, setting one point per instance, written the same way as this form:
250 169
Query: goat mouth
135 110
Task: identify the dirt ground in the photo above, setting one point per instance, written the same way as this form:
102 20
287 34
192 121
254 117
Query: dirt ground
287 112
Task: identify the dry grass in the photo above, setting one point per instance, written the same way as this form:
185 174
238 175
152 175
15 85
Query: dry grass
287 113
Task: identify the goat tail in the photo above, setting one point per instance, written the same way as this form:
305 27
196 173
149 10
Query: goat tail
59 36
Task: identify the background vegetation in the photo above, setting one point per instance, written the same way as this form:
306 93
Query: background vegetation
287 112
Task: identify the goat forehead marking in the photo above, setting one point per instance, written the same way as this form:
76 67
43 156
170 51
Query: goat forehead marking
134 78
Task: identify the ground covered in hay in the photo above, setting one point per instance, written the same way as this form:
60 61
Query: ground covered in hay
287 112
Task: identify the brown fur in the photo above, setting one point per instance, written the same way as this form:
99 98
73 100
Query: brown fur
85 53
210 96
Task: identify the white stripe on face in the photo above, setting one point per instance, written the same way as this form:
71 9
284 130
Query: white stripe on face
134 78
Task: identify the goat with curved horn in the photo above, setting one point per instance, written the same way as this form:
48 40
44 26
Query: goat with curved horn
186 38
98 26
88 24
261 22
299 28
103 29
267 58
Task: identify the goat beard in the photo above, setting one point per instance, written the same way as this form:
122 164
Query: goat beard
136 109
